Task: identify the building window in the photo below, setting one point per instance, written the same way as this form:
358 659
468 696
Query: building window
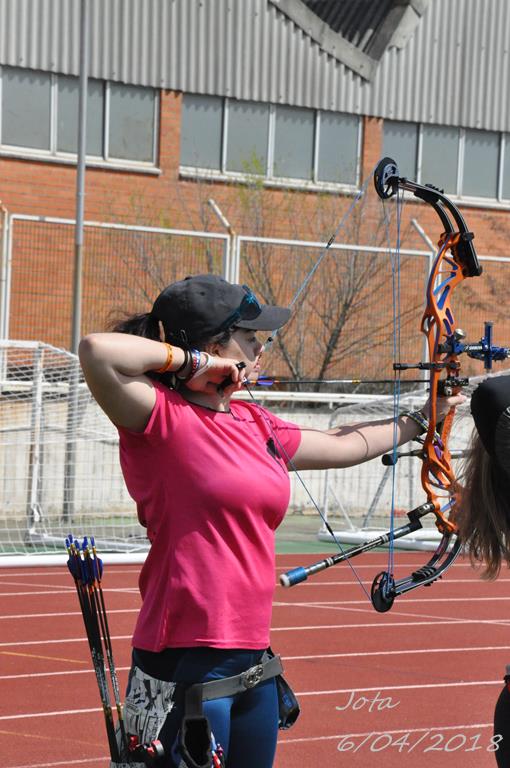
39 113
247 137
338 146
401 143
201 129
481 164
440 157
26 107
463 162
67 110
505 182
131 123
293 143
282 144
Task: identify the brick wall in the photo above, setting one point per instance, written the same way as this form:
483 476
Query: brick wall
48 188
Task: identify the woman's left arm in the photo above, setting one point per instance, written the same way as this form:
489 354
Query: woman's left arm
349 445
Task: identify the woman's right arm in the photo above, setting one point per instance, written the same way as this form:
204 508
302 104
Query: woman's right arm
114 365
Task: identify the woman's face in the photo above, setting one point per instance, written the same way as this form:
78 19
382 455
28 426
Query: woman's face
245 345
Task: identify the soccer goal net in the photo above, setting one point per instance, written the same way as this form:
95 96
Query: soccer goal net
58 457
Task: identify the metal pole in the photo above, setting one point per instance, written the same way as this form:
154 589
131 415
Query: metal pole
5 255
72 405
80 176
230 269
34 501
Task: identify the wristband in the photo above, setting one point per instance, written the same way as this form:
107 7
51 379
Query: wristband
423 423
203 368
169 358
187 358
195 363
418 418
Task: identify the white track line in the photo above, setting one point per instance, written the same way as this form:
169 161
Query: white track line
311 657
478 582
68 591
18 616
63 762
398 652
339 736
334 692
382 564
64 673
58 641
58 713
309 627
447 620
374 625
326 604
420 600
60 571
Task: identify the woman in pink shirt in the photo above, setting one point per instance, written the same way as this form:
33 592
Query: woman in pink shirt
210 479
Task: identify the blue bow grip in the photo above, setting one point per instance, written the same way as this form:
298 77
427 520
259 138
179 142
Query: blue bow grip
295 576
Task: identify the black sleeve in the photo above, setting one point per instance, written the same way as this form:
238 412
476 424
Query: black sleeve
502 728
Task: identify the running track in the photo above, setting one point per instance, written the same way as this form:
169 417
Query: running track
434 665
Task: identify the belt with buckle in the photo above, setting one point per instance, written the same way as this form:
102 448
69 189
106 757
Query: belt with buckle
269 666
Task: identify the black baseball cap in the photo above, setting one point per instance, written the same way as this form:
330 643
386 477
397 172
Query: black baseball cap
202 306
490 407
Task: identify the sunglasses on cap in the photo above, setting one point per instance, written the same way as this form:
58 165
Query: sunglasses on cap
248 309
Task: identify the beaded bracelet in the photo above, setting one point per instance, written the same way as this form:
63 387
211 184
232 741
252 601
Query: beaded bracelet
418 418
169 358
422 421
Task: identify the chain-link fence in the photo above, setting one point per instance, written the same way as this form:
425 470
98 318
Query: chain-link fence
125 267
342 323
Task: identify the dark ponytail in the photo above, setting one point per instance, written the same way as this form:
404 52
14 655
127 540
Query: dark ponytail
143 324
147 326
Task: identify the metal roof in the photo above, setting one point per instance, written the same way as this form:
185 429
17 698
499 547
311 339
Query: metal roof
451 67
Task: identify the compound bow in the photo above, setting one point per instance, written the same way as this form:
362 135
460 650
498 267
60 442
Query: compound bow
455 261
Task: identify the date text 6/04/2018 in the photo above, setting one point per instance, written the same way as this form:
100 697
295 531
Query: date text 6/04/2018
429 741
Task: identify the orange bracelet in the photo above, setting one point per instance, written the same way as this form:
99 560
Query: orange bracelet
169 358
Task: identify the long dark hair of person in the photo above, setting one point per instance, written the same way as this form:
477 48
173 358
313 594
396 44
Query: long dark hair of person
484 511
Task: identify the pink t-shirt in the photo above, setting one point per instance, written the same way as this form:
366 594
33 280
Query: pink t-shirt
211 488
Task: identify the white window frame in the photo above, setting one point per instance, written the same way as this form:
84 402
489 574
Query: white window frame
104 161
269 179
469 200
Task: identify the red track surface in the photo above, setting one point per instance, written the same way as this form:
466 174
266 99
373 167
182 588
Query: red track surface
433 664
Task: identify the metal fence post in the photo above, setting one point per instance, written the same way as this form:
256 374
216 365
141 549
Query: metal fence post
34 507
70 443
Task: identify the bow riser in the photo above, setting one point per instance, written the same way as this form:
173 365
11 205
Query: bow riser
438 325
